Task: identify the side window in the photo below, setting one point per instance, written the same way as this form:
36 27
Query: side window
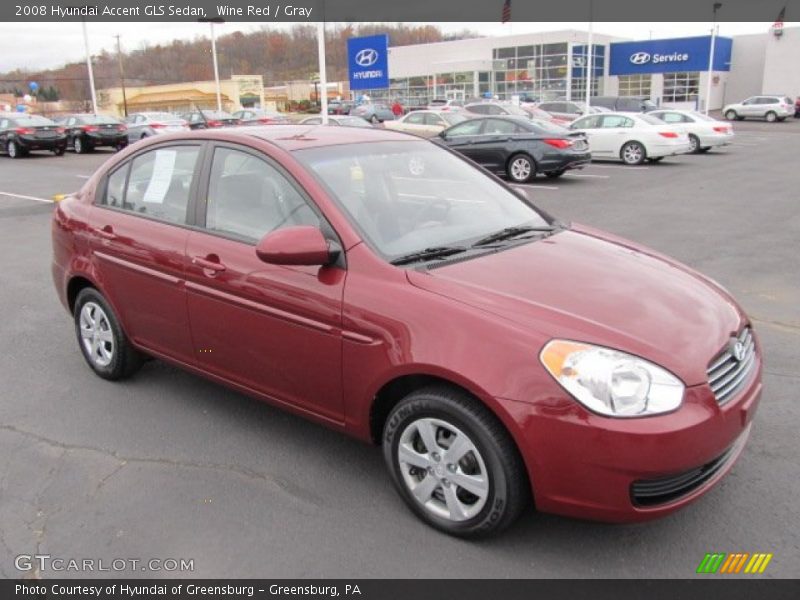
160 182
115 189
247 197
466 128
592 122
499 127
139 119
313 121
3 123
434 120
415 119
609 121
672 118
71 121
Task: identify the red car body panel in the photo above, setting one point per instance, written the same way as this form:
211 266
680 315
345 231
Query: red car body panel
324 341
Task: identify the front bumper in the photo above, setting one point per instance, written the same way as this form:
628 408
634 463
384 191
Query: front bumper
586 466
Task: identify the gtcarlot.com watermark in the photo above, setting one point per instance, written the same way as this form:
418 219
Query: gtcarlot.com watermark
48 563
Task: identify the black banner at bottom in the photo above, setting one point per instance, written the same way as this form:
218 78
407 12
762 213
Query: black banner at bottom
733 588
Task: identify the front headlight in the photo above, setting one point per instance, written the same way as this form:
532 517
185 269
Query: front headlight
611 382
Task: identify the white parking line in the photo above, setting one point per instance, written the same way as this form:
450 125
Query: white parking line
83 176
626 167
586 175
535 187
26 197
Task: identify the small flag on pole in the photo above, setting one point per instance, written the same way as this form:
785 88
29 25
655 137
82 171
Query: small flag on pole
506 15
777 27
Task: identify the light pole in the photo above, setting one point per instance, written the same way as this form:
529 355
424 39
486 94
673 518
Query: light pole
89 66
323 78
211 21
122 78
589 67
717 6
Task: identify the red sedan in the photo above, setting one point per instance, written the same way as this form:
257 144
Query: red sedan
388 288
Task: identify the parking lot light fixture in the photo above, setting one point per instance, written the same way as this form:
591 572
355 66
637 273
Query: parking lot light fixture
716 7
215 21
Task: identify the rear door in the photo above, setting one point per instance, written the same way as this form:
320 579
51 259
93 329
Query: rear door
272 329
463 137
496 142
138 241
613 132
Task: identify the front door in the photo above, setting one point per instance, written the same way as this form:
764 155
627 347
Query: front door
273 329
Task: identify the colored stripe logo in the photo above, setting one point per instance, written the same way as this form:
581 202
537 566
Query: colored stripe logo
734 563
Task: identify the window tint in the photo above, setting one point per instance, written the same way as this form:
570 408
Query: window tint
466 128
592 122
115 189
415 119
672 118
615 121
160 182
499 127
249 198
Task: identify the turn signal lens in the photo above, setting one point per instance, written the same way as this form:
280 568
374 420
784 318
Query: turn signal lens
610 382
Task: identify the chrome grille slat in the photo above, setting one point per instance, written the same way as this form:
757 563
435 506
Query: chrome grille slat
726 374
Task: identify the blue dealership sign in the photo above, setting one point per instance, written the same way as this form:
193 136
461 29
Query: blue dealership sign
669 56
368 62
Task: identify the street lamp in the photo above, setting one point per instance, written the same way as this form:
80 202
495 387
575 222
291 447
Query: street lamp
211 21
122 77
717 6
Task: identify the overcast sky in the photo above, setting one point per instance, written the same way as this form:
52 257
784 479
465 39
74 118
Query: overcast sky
43 45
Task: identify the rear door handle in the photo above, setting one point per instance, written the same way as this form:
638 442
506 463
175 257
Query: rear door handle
207 263
107 233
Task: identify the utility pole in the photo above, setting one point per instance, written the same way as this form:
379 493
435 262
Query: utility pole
89 67
589 66
122 77
717 6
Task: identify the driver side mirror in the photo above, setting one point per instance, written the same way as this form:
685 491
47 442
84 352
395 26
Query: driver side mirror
443 135
300 245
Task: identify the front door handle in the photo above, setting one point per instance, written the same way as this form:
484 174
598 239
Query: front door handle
107 233
210 262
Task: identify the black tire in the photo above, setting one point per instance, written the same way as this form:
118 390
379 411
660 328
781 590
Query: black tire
125 359
13 150
522 175
79 146
554 174
695 142
633 153
374 120
60 151
508 491
781 119
731 115
705 150
771 117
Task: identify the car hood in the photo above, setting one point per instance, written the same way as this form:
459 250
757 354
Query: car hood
586 285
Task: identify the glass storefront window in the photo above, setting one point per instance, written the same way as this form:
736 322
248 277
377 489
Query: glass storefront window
681 87
635 85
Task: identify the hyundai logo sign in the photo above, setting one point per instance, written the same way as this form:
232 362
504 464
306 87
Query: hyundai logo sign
640 58
366 57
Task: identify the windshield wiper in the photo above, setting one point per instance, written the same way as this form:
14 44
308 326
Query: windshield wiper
427 254
510 232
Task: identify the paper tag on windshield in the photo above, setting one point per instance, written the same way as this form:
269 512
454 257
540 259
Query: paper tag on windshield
161 178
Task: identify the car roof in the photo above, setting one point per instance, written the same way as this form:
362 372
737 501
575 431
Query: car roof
300 137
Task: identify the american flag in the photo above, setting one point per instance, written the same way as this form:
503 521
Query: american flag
778 21
506 15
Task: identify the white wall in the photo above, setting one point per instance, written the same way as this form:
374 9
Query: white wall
747 67
781 69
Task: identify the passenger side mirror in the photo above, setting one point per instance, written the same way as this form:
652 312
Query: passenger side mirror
300 245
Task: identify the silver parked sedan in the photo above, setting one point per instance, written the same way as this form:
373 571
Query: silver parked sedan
145 124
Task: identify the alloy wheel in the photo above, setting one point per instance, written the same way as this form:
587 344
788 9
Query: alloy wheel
96 334
695 143
520 169
443 469
12 149
633 154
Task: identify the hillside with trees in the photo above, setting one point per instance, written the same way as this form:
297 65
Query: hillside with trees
279 55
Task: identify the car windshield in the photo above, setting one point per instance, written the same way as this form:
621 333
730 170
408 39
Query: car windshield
453 118
648 105
512 109
33 121
438 102
161 116
549 127
100 120
354 122
409 196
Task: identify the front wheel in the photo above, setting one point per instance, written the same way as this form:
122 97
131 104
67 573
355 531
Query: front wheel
731 115
633 153
771 117
79 146
453 463
694 141
100 337
13 149
60 151
521 168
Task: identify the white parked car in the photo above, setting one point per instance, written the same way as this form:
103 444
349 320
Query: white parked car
773 108
426 123
704 132
631 138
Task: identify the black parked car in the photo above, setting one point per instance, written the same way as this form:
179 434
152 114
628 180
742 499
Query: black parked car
87 132
21 134
635 104
210 119
518 147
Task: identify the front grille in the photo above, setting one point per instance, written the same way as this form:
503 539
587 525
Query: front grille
727 374
650 492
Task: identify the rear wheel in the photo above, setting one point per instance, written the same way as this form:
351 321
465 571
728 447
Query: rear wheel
694 141
13 149
79 146
731 115
633 153
453 463
771 117
521 168
100 337
60 151
375 120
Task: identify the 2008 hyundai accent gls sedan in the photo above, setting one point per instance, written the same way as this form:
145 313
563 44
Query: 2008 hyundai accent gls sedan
387 287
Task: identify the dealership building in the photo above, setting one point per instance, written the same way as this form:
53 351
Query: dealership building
554 65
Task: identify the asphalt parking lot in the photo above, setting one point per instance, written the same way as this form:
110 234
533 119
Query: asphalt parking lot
168 465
